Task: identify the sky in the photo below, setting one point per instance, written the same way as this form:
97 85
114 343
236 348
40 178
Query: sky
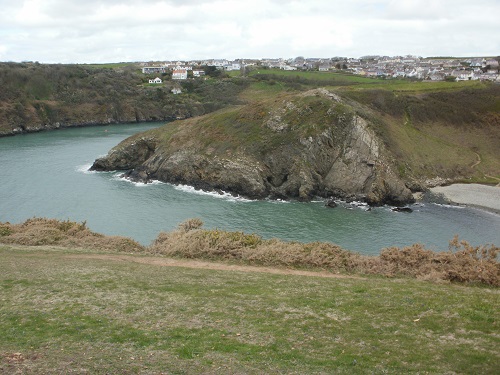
95 31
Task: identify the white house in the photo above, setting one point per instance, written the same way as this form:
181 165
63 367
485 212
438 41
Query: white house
176 91
156 80
198 73
179 74
464 75
153 69
219 63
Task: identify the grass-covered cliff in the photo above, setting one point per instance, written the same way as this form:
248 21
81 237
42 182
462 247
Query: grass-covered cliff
297 145
354 142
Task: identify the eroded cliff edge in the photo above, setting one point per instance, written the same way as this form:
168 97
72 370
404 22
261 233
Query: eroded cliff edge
293 147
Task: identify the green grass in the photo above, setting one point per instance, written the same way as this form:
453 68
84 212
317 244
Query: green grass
111 65
346 81
63 310
416 87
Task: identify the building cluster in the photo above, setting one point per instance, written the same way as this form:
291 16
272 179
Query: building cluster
180 70
413 67
434 69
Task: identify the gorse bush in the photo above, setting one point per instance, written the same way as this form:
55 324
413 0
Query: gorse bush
252 249
462 263
42 231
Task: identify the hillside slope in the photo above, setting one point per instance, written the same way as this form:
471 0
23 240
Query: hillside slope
35 97
67 310
438 134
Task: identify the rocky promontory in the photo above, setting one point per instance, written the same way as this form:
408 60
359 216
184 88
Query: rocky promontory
295 146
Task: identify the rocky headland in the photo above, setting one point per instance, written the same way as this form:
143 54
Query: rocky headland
298 146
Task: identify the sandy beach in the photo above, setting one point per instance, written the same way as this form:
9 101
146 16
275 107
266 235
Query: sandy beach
482 196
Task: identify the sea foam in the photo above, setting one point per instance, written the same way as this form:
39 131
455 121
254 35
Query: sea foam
85 169
222 194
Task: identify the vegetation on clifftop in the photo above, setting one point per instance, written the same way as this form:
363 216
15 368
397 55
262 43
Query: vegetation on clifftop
462 263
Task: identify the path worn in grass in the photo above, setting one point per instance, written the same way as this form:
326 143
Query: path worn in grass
189 263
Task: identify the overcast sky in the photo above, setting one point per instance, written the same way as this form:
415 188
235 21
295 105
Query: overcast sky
91 31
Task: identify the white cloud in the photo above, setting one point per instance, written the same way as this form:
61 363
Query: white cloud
138 30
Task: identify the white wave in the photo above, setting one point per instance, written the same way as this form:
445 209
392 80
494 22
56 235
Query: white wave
448 205
353 205
85 169
222 194
277 201
118 176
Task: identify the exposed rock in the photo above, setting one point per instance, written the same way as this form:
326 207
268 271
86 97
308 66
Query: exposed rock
310 145
129 157
331 203
402 209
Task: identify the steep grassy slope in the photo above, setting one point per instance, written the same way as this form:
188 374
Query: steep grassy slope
344 142
452 134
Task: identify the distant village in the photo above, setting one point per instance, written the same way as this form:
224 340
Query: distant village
410 67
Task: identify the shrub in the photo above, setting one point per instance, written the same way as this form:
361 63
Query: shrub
251 248
5 230
42 231
190 224
463 263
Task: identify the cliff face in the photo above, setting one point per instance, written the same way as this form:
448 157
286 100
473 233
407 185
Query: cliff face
298 147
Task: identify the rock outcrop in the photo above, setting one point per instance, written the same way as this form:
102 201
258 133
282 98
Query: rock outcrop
296 147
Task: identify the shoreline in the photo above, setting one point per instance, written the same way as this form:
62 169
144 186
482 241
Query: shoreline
474 195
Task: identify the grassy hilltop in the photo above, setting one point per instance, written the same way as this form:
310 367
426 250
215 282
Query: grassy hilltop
108 305
449 130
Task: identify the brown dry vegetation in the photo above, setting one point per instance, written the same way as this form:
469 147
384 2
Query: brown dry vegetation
42 231
462 263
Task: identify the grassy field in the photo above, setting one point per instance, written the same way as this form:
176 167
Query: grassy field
112 65
65 310
348 82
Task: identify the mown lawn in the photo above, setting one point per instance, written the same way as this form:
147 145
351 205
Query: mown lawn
62 311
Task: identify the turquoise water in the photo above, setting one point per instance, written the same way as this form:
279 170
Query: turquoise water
46 174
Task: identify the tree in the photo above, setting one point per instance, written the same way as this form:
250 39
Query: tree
212 71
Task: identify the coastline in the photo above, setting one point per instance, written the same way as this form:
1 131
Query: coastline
475 195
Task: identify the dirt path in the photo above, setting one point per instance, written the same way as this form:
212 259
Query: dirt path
478 160
495 178
199 264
